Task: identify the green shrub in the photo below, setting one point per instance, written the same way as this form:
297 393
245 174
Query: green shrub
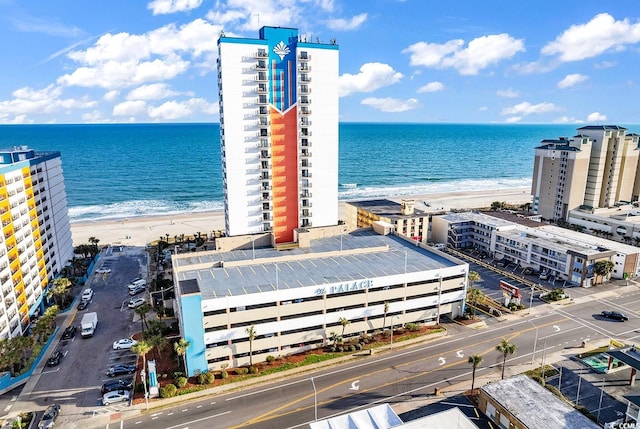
341 349
253 369
413 327
224 374
332 349
181 382
206 378
168 391
139 388
270 359
242 371
554 390
178 374
358 346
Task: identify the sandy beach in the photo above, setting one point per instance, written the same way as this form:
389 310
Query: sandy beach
139 231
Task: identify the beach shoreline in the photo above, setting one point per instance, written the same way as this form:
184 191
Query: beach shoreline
139 231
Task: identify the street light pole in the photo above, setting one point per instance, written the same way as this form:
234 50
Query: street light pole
535 342
143 374
531 300
315 399
439 298
604 376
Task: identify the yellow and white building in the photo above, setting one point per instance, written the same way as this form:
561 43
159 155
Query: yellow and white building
35 243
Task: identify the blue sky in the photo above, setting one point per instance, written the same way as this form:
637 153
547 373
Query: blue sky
465 61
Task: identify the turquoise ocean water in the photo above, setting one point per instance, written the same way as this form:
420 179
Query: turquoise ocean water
125 170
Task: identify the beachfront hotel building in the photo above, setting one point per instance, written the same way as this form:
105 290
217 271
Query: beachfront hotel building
295 299
36 237
279 132
405 219
564 254
597 168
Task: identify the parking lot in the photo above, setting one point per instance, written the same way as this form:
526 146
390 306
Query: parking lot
75 382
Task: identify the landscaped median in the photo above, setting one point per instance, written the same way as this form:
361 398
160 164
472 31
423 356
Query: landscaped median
285 366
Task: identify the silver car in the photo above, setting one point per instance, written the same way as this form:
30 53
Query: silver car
115 396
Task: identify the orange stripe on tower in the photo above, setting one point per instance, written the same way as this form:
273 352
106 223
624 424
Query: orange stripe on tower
284 159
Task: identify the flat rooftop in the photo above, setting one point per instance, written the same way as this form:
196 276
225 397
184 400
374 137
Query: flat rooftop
482 218
535 406
388 208
362 254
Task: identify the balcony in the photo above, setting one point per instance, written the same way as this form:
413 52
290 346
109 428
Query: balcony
306 153
261 89
261 54
304 101
304 89
305 111
304 67
304 56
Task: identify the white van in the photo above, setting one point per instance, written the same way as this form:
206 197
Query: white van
87 294
440 246
137 283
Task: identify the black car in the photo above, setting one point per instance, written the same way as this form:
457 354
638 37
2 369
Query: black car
614 315
83 304
116 385
69 333
121 369
49 417
55 358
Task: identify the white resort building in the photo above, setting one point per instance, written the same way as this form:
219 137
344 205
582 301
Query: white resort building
278 132
295 299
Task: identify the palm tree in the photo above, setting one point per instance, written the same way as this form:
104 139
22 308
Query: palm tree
474 360
603 269
334 338
58 290
506 348
141 349
386 310
142 311
473 278
344 322
180 348
474 296
157 342
251 332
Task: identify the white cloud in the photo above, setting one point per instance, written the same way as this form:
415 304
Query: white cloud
513 119
111 95
482 108
508 93
46 101
94 117
479 54
169 111
154 91
47 26
431 87
163 7
602 34
372 76
130 108
605 64
567 120
390 105
525 108
596 117
347 24
572 80
123 60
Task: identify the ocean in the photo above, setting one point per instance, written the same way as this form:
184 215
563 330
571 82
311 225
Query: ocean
129 170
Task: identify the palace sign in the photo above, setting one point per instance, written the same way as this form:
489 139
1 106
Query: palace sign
345 287
514 291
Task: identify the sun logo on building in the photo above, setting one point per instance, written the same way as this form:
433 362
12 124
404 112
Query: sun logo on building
281 50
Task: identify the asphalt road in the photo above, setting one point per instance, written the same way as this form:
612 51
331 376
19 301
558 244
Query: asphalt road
404 375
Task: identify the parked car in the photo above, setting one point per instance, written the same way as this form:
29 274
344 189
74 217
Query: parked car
49 417
125 343
103 270
136 302
615 315
87 294
121 369
115 396
136 290
544 275
54 358
69 332
83 304
118 384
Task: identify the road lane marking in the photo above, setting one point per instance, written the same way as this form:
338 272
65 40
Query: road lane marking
186 424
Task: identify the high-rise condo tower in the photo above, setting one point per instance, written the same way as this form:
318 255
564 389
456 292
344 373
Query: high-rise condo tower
36 241
278 132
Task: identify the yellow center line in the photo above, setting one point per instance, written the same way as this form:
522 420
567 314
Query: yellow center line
270 415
